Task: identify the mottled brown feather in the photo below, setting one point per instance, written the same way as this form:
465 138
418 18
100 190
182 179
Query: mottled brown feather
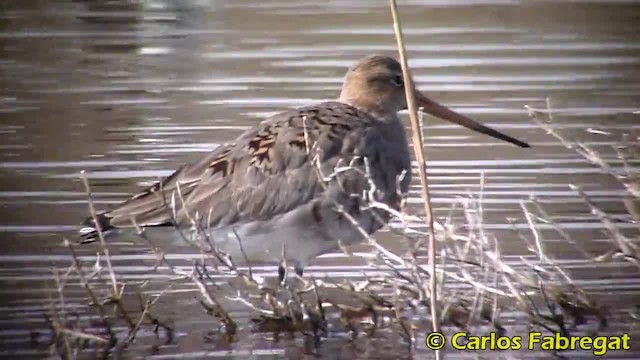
266 172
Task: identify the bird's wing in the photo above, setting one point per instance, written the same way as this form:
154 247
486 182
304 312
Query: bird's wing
266 171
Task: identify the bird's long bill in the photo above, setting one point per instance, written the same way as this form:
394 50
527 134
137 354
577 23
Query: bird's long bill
444 113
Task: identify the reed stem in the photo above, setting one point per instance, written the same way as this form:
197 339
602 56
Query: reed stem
418 147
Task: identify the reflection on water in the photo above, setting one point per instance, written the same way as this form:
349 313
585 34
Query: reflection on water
129 90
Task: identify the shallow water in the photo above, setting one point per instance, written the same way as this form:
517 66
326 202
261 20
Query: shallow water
129 91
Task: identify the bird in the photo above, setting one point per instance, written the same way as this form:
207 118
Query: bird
300 183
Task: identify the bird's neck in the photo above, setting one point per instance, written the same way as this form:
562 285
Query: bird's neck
373 108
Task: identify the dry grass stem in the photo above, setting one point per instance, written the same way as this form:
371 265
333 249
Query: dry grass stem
418 148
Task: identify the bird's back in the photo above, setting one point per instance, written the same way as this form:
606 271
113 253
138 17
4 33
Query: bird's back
293 159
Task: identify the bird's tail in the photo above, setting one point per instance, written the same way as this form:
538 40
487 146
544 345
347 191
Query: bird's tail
89 232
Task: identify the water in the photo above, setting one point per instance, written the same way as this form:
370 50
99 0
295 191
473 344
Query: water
127 91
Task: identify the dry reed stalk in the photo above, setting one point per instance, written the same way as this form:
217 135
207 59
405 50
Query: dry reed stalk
418 148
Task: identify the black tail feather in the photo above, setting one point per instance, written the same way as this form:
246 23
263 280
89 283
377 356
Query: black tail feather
89 233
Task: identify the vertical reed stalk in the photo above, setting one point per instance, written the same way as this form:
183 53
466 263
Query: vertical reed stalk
418 148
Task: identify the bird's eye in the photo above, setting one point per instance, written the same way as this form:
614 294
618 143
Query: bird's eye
397 80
